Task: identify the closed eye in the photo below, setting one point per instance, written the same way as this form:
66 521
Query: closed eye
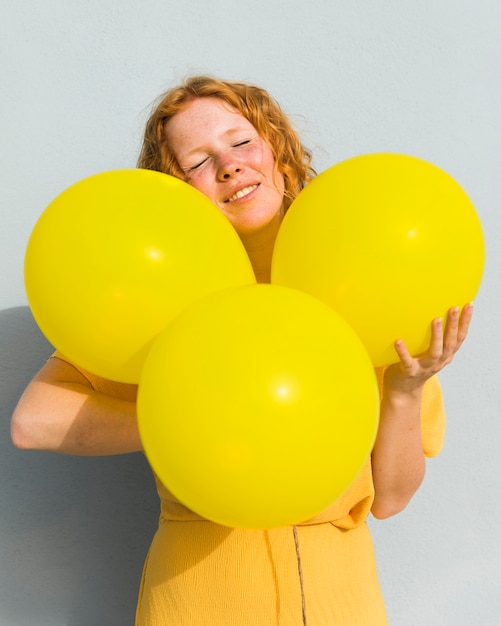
195 167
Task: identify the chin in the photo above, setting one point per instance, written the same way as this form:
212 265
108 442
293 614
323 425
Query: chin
260 223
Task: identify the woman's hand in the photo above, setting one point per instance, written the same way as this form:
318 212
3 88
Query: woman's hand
410 374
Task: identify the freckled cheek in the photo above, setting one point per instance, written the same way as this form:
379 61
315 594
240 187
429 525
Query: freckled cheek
203 185
266 161
267 165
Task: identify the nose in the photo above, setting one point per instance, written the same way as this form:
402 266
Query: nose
227 168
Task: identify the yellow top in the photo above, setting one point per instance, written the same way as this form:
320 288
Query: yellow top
200 573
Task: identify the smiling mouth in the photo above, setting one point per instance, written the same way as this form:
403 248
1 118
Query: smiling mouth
242 193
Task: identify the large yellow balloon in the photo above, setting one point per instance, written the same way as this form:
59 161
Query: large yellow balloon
389 241
115 257
257 406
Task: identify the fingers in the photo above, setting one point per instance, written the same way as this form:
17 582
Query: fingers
464 322
406 360
436 349
444 343
450 343
456 330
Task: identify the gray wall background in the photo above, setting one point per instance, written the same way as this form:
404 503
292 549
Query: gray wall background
358 76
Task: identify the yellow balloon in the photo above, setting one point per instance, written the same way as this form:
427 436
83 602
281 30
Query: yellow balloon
115 257
257 406
390 241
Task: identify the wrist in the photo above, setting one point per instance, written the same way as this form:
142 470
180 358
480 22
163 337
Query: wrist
400 385
401 400
403 393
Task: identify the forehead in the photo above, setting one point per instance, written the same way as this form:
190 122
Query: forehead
204 118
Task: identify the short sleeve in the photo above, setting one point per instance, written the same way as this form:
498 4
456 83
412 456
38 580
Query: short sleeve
432 418
123 391
432 414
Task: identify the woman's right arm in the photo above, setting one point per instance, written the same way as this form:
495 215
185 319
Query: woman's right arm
61 412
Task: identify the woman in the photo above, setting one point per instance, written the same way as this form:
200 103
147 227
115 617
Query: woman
233 143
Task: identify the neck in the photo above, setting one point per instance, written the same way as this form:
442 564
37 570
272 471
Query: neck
259 246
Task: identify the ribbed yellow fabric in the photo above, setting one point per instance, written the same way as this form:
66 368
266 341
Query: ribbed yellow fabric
198 573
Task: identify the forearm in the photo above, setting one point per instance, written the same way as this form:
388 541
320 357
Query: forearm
398 462
72 418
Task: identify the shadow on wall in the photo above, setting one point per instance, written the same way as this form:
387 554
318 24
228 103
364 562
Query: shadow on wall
74 531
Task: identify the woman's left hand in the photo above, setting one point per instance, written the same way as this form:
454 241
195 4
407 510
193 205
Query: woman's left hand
411 373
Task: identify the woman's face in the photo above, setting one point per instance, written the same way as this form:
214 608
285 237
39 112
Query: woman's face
223 156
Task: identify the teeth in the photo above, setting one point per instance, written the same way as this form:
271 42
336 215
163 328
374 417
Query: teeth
240 194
